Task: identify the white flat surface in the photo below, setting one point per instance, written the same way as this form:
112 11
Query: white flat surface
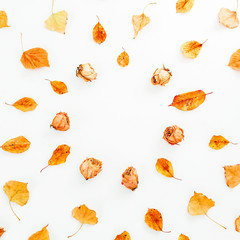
119 119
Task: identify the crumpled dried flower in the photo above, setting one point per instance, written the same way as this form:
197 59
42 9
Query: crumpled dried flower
173 135
61 122
130 178
87 72
161 76
90 168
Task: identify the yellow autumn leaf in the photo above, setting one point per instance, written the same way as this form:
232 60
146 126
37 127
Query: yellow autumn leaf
16 145
218 142
228 18
40 235
123 236
24 104
183 237
232 175
183 6
123 59
2 231
99 33
58 87
237 224
234 62
3 19
191 49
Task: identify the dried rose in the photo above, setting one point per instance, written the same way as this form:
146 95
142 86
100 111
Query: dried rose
130 178
161 76
61 122
87 72
90 168
173 135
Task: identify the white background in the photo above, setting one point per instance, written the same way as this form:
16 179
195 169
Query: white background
119 119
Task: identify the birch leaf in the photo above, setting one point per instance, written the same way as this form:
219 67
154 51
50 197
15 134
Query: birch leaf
191 49
183 6
228 18
16 145
25 104
234 62
99 33
232 175
40 235
123 59
58 87
123 236
3 19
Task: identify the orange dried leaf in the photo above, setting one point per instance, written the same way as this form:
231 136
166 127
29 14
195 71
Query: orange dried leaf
16 145
2 231
189 101
232 175
40 235
191 49
99 33
123 236
237 224
123 59
58 87
25 104
183 6
218 142
3 19
234 62
183 237
228 18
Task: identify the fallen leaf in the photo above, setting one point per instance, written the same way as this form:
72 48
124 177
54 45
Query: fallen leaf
183 6
191 49
24 104
183 237
58 87
237 224
85 216
228 18
3 19
234 62
140 21
17 192
123 59
59 156
123 236
40 235
16 145
189 101
99 33
199 204
153 218
164 167
218 142
232 175
2 231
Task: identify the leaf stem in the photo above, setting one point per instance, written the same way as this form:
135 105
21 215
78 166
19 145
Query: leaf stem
76 231
44 168
98 18
234 143
177 178
166 231
148 5
8 104
22 42
215 222
52 5
13 210
204 41
47 80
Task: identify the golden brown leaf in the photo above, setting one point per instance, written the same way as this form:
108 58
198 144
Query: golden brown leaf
191 49
16 145
234 62
123 59
183 237
2 231
3 19
232 175
58 87
183 6
99 33
189 101
123 236
40 235
59 156
25 104
218 142
228 18
237 224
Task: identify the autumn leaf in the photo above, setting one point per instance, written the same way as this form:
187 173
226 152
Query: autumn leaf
218 142
183 237
17 192
199 204
25 104
123 236
123 59
189 101
59 156
191 49
85 216
183 6
140 21
237 224
232 175
16 145
2 231
228 18
153 218
164 167
40 235
3 19
234 62
58 87
99 33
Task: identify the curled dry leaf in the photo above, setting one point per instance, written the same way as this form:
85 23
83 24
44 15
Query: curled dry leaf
189 101
173 135
99 33
59 156
90 168
228 18
183 6
161 76
2 231
123 59
218 142
191 49
61 122
87 72
164 167
140 21
234 62
130 178
199 204
232 175
16 145
17 192
3 19
58 87
183 237
84 215
123 236
25 104
40 235
237 224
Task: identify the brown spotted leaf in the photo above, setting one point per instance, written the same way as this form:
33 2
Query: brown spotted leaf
25 104
16 145
99 33
218 142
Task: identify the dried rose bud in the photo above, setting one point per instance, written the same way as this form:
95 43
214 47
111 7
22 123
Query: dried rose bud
161 76
90 168
130 178
87 72
61 122
173 135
